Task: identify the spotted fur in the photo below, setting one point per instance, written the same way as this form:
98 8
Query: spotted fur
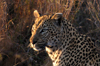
62 42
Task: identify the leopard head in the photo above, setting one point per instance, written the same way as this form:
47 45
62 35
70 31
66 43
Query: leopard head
44 28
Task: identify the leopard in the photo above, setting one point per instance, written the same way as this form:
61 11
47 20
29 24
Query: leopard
62 42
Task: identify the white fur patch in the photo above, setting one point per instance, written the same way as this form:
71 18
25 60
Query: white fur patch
34 47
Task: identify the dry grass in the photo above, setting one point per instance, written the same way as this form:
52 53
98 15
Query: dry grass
16 19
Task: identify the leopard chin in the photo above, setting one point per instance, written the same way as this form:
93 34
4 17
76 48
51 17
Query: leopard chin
34 47
37 47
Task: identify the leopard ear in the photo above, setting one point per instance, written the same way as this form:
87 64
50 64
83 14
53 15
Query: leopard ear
36 14
57 17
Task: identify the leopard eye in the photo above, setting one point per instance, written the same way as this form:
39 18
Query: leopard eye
43 30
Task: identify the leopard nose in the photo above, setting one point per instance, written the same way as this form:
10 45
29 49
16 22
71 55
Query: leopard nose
34 42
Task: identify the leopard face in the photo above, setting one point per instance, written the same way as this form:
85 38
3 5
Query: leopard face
44 28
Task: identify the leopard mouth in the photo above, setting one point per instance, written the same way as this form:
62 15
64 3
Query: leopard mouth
37 47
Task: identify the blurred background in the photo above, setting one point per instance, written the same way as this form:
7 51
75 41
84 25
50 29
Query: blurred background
16 20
